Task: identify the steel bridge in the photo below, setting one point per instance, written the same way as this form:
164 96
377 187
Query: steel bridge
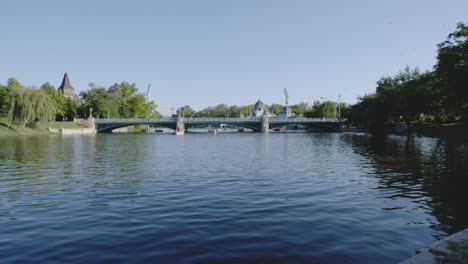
263 124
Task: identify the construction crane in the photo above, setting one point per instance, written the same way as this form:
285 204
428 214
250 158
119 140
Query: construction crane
286 95
147 92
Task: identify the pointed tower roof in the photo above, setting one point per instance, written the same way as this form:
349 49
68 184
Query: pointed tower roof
259 104
258 109
66 85
67 89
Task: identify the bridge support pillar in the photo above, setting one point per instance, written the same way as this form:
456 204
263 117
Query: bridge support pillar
91 123
265 125
180 126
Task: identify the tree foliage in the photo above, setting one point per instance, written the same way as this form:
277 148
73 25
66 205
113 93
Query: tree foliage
119 100
31 107
327 109
275 108
220 110
6 94
403 97
452 68
66 108
186 111
411 95
300 108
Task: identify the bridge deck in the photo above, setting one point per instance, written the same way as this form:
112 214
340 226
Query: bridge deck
215 120
258 124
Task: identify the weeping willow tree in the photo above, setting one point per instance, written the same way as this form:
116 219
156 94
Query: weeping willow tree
31 107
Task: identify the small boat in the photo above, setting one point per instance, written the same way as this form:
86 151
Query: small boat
214 131
178 132
244 129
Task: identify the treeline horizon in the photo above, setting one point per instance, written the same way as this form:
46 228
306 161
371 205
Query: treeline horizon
440 95
122 100
411 95
32 106
317 109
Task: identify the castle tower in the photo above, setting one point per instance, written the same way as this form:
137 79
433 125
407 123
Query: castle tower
258 110
68 89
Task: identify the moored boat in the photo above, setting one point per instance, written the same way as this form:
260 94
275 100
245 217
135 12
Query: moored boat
178 132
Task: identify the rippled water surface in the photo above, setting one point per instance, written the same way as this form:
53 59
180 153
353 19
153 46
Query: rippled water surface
227 198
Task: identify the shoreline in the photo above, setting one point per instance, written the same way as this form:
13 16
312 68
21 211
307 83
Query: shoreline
6 131
446 250
51 129
457 131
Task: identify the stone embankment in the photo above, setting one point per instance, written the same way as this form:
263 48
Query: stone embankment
73 131
440 250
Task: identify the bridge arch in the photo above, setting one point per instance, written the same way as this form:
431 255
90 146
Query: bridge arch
256 124
107 128
241 125
323 126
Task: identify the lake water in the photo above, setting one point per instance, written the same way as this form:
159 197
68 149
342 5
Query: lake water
227 198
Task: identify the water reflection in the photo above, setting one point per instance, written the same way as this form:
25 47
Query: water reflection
428 171
334 198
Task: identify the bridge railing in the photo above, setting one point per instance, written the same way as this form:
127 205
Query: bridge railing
213 119
134 120
221 119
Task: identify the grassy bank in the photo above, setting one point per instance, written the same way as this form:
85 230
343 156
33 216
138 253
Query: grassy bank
5 130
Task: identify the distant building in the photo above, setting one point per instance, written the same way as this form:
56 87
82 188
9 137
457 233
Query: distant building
67 89
285 113
259 110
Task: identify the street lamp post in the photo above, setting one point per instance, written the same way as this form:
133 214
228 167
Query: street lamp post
339 106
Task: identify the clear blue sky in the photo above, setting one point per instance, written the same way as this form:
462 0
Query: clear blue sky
209 52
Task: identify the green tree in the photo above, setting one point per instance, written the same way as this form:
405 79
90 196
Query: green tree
14 84
6 94
327 109
233 111
403 97
220 110
452 68
100 101
119 100
316 111
245 109
275 109
131 103
58 100
122 94
343 110
300 108
415 97
186 111
330 109
369 112
31 107
71 109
